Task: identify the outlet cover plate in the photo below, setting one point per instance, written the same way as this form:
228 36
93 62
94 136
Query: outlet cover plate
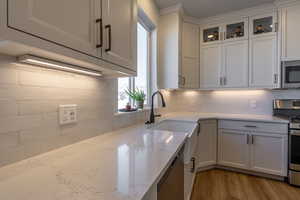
67 114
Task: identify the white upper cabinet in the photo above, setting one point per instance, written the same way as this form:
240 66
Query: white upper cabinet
120 25
190 56
263 62
71 23
290 32
211 63
178 53
224 55
96 34
235 64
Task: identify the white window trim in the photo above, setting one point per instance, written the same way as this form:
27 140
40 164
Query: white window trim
149 72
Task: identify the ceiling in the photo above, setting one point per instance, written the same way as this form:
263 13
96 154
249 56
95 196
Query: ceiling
207 8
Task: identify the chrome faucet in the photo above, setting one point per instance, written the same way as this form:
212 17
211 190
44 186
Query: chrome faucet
152 115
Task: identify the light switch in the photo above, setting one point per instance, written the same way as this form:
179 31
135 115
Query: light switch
67 114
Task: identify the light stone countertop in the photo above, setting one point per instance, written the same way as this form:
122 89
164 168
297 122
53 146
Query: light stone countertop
122 165
195 117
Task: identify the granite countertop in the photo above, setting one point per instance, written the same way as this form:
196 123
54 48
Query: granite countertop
195 116
122 165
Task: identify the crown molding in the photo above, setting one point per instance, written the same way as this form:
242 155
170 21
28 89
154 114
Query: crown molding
176 8
283 3
233 15
190 19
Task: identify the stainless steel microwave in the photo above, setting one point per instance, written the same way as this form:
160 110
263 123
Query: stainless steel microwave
290 74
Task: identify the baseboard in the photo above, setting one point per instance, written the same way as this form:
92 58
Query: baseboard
201 169
269 176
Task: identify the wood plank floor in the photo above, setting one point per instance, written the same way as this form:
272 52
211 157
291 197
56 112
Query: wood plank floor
225 185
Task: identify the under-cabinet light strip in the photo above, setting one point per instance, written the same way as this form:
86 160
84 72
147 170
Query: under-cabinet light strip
42 62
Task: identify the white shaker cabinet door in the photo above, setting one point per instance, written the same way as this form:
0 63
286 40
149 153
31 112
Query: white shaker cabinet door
120 32
70 23
190 56
210 67
269 153
291 32
233 150
235 64
207 144
263 62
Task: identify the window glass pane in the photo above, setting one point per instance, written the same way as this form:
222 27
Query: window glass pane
123 99
141 81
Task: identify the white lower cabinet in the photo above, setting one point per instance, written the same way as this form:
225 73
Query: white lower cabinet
233 149
189 176
262 151
207 144
268 153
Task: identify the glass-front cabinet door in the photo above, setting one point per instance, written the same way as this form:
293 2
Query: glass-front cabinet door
263 25
211 35
237 30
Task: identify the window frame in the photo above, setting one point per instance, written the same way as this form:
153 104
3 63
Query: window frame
131 80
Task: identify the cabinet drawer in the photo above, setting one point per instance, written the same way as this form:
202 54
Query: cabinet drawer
254 126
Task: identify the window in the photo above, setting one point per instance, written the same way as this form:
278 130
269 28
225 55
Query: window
142 81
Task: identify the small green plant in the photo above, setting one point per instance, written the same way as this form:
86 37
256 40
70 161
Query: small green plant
136 95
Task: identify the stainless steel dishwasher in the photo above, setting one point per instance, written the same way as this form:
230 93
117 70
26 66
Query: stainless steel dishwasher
171 185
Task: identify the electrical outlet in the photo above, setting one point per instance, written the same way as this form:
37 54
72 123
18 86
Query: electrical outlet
67 114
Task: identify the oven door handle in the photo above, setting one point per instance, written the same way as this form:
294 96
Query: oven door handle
295 132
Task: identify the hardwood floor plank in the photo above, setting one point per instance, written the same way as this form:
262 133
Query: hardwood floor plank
225 185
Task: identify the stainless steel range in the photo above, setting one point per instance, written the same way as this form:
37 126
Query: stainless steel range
291 109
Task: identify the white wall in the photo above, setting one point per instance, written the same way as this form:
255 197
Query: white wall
150 9
235 102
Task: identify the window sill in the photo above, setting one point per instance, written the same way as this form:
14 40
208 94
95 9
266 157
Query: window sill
134 112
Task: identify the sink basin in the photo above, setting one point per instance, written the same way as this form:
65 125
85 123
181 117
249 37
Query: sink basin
185 127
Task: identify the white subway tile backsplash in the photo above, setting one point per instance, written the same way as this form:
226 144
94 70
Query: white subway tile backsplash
8 75
29 100
8 108
9 140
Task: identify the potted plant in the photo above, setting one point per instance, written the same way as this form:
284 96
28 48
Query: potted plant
138 96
